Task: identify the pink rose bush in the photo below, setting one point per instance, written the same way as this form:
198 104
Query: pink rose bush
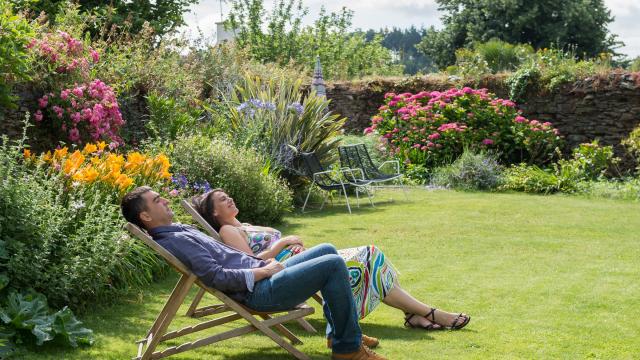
83 113
79 108
433 128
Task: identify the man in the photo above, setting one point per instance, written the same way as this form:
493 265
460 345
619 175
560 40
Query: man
260 285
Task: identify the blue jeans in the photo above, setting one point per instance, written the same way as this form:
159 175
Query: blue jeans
318 268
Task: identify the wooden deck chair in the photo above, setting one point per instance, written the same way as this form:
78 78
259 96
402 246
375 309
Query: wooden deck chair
158 331
193 310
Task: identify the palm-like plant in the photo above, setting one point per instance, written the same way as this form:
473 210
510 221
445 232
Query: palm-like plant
274 117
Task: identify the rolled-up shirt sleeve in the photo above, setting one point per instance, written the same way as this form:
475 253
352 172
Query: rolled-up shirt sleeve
209 271
249 277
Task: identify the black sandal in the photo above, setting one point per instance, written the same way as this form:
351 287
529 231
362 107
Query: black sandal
429 327
454 325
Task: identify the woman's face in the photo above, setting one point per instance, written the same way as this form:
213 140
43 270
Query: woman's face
223 206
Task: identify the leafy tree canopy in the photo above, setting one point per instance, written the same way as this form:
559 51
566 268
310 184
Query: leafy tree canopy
163 15
541 23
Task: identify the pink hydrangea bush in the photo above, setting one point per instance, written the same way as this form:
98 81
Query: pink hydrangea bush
433 128
83 113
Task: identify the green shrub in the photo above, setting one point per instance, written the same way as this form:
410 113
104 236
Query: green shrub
15 33
62 238
471 171
261 196
623 189
549 69
491 57
589 162
632 145
530 179
168 118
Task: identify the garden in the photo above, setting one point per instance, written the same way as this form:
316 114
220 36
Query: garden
537 240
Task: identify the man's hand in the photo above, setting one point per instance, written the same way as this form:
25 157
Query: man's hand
273 266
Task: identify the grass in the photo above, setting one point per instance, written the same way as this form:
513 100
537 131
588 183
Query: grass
549 277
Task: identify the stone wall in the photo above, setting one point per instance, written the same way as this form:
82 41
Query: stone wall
604 107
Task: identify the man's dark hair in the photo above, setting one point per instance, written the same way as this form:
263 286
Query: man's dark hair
133 204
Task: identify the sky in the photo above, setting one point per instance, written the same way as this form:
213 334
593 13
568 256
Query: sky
376 14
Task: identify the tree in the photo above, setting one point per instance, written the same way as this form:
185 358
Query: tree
163 15
403 43
278 36
540 23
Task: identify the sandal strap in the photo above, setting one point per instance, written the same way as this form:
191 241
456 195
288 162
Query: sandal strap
432 313
407 318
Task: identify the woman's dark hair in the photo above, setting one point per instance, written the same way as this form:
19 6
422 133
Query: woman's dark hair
205 204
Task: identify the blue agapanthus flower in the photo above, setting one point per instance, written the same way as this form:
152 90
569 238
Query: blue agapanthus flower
297 107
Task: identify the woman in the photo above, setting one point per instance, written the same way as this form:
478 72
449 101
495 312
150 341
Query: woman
373 278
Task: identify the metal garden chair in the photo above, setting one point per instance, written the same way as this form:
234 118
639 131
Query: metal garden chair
357 157
324 180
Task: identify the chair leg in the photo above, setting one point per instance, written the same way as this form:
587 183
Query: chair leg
306 326
324 200
357 197
195 302
307 199
167 314
369 196
346 198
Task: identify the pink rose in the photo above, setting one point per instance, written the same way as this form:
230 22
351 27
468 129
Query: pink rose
487 142
74 135
38 115
43 101
434 136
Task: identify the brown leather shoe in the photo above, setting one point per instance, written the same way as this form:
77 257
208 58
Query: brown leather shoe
364 353
368 341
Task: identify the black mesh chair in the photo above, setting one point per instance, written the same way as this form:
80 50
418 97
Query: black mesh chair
357 157
325 181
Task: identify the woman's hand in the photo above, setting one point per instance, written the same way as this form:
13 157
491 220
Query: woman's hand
292 240
297 249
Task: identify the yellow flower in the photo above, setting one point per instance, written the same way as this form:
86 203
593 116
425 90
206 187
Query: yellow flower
90 148
134 161
123 181
47 157
87 175
101 145
95 160
72 164
59 154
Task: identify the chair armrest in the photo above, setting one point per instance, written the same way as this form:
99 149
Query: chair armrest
345 170
396 162
326 172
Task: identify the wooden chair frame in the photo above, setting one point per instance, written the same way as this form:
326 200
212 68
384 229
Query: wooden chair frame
193 309
158 331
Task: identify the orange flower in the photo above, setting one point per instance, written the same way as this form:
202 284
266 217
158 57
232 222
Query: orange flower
47 156
72 164
90 148
59 154
123 181
87 175
27 153
134 161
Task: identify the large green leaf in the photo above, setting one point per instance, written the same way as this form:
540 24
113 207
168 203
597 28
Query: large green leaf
28 312
65 324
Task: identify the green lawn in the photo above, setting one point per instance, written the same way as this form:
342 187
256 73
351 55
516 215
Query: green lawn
542 276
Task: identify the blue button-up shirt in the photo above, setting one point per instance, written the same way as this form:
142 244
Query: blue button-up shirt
214 263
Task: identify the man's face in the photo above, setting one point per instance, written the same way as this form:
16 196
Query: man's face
157 211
